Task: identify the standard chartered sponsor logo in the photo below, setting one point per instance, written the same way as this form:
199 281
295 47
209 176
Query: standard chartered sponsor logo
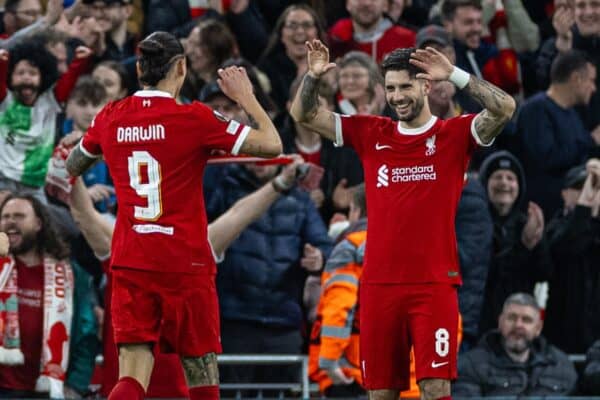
382 176
414 174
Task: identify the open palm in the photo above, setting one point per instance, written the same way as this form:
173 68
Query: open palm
318 58
436 65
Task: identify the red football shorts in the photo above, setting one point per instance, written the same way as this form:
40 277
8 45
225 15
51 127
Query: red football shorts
180 312
394 317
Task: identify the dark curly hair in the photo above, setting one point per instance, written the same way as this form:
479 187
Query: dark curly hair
48 239
399 60
34 52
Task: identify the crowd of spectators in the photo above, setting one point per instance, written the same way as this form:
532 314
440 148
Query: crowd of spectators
528 223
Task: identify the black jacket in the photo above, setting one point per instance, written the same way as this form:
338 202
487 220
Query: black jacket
488 371
574 302
514 268
474 230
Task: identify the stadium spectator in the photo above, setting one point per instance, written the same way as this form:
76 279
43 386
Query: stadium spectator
368 30
284 59
590 379
474 235
334 361
515 359
28 112
114 77
360 85
577 26
112 17
22 18
464 20
520 251
260 282
207 47
574 237
37 294
551 136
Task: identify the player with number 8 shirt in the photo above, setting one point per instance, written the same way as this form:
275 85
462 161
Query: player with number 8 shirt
414 173
162 265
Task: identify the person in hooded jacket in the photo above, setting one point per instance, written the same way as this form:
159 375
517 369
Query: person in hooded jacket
521 255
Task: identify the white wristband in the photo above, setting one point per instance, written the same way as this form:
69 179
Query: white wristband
459 77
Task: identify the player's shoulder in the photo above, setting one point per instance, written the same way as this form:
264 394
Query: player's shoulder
373 121
459 122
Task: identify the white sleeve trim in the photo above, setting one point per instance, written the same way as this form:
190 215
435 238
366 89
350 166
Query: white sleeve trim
217 257
476 135
339 137
240 140
87 153
102 258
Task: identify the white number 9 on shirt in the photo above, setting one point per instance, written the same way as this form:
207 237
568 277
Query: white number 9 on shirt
149 190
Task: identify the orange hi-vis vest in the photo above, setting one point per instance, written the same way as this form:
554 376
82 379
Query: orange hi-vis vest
335 333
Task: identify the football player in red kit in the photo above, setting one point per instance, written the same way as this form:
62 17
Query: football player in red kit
163 270
414 172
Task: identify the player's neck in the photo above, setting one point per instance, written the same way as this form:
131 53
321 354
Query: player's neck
418 121
163 86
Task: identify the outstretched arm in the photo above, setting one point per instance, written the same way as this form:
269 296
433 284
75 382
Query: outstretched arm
498 105
305 108
225 229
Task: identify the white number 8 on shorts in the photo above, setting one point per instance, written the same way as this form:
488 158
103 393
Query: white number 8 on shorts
442 344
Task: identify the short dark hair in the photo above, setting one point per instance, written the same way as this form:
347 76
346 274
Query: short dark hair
34 52
90 90
48 239
449 7
521 299
566 63
399 60
359 199
158 51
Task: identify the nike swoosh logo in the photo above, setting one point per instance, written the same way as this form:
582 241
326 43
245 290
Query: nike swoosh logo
382 146
437 365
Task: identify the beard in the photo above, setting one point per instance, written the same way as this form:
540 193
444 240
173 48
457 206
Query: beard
517 344
414 111
26 98
28 242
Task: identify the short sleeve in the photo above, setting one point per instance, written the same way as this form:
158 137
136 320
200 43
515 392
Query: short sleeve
357 131
218 132
474 133
91 145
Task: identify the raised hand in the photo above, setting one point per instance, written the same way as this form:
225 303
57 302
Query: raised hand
234 82
4 244
435 64
534 227
318 58
312 258
3 55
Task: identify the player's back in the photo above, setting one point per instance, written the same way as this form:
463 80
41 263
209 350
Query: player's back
156 151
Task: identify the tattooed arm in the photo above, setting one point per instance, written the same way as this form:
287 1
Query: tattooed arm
499 106
305 108
78 162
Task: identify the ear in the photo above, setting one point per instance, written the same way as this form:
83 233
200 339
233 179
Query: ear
539 328
447 25
426 86
138 69
38 224
128 10
181 66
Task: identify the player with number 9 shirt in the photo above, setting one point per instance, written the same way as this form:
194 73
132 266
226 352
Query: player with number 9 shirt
162 264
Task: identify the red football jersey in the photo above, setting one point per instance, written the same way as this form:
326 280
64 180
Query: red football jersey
413 182
156 151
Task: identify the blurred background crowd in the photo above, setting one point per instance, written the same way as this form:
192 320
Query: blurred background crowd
528 224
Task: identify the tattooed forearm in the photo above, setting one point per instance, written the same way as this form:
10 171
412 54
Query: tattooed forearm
499 108
201 371
307 100
78 163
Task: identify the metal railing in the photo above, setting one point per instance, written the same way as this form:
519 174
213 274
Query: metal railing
303 386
